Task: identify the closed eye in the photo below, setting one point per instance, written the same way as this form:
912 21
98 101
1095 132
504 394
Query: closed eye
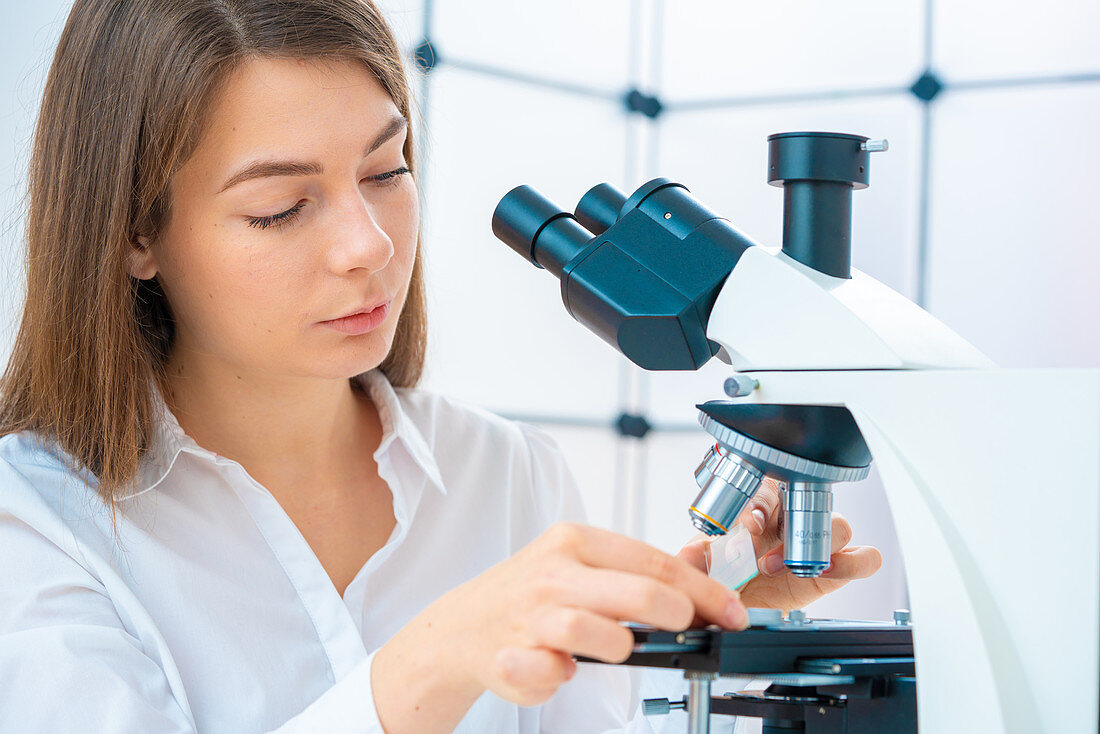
284 218
390 176
276 220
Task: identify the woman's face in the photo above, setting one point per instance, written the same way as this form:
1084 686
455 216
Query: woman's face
295 210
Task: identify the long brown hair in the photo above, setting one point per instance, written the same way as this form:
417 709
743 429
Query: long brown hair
123 108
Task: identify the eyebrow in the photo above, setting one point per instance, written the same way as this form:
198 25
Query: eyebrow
263 169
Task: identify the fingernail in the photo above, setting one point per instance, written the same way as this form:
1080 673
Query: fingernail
771 565
762 521
737 617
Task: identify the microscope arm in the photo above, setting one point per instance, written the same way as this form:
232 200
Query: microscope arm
774 313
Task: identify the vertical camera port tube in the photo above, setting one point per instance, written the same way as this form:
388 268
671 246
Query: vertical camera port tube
818 172
807 529
727 482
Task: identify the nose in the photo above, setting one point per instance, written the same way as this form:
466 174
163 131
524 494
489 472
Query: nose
357 238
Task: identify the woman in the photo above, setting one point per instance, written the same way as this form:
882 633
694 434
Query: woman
224 505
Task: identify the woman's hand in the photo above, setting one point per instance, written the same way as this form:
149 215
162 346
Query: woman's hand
776 587
514 629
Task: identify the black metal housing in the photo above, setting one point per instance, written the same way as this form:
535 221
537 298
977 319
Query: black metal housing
877 693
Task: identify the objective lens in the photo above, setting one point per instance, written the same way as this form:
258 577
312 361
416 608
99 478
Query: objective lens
727 482
808 527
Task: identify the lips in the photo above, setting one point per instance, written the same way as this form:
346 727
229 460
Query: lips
360 322
362 310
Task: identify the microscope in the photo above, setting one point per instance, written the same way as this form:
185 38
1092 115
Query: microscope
992 475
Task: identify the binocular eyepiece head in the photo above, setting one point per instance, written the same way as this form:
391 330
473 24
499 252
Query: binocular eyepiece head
642 271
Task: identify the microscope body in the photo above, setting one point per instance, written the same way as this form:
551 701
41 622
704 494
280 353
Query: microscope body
992 475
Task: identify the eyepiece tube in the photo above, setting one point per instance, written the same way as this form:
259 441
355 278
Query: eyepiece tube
536 228
599 209
728 482
807 528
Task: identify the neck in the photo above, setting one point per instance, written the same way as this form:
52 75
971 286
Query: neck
281 429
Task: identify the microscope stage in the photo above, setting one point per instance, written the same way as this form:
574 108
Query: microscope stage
817 646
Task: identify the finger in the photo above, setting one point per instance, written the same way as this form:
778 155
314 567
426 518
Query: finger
841 533
761 513
771 564
697 552
604 549
624 596
856 562
581 632
529 676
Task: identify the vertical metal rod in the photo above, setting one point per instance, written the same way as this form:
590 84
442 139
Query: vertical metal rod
623 519
421 105
925 182
698 707
929 21
924 206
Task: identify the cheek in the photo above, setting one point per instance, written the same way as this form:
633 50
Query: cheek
220 286
404 228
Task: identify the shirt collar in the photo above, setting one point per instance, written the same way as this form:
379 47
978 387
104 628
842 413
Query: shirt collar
398 425
169 440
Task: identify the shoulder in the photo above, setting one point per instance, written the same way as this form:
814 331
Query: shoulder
27 447
46 500
445 422
474 446
32 465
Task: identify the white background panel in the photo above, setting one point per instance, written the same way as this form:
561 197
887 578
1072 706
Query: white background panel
722 155
406 19
995 39
500 334
577 41
27 39
591 455
715 49
671 488
1014 244
674 395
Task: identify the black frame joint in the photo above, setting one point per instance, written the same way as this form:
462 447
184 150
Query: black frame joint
425 56
634 426
642 103
927 87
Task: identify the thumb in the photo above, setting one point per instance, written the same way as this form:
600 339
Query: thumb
763 517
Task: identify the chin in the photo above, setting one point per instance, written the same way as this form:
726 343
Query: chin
354 357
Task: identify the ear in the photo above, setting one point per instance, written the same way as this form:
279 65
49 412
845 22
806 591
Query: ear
139 260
